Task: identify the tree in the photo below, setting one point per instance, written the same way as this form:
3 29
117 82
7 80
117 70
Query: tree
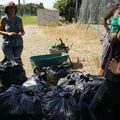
31 8
67 8
41 6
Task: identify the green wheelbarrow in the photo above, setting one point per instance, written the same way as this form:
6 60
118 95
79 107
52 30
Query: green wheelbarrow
41 61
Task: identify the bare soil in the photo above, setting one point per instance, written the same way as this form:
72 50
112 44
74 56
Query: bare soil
85 47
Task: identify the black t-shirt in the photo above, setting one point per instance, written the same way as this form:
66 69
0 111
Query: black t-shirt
114 53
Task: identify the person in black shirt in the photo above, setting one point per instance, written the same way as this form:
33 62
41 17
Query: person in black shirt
114 66
108 94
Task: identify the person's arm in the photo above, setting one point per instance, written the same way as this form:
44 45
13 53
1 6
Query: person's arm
114 66
22 32
2 29
2 32
107 17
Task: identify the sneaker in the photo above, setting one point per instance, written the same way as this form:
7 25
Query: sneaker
4 60
15 63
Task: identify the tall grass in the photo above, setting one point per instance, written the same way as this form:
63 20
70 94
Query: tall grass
29 20
72 31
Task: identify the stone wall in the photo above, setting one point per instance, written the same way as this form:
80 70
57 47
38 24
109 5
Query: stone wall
47 17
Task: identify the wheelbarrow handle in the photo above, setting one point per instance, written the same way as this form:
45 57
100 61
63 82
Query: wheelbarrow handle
62 43
66 51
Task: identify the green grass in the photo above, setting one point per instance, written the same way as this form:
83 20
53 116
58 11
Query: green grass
29 20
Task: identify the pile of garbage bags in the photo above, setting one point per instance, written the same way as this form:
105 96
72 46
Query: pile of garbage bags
11 73
63 96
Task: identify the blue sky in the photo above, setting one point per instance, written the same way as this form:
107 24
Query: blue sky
46 3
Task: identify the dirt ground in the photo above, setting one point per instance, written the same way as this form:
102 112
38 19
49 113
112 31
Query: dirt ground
85 47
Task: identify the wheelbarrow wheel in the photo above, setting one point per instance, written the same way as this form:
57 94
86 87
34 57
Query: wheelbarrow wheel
36 70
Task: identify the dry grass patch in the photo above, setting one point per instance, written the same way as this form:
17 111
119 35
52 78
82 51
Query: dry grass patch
73 31
85 45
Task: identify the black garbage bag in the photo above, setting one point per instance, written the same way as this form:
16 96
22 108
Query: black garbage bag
29 105
73 91
12 75
75 78
54 73
18 117
87 95
73 83
61 105
36 84
9 100
17 101
114 113
1 86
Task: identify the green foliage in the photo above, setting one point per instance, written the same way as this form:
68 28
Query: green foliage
29 20
30 9
52 24
62 19
67 8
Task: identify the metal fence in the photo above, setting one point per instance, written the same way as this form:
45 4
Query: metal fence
93 11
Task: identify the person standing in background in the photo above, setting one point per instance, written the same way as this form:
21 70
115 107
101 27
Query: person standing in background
112 30
11 27
108 94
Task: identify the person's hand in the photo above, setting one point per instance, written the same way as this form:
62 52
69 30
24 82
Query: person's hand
21 33
11 34
114 66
